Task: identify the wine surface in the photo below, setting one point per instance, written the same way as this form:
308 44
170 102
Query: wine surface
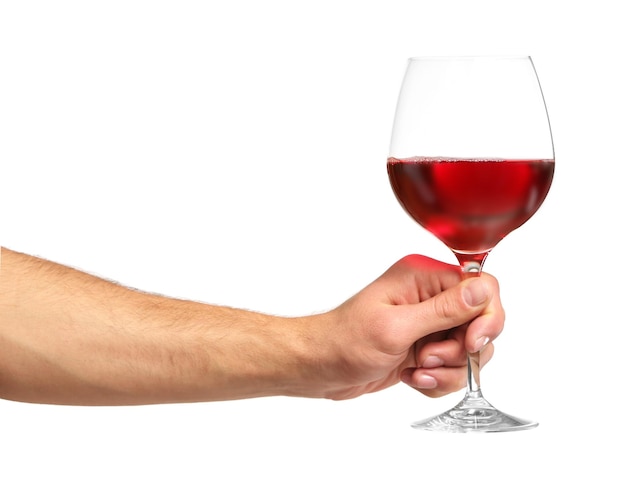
470 204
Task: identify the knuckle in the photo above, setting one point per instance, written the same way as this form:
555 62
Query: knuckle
448 307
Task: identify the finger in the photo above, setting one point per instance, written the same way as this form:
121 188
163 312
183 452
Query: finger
489 324
439 381
450 308
430 275
448 352
435 382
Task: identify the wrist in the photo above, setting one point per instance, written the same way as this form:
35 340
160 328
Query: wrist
248 354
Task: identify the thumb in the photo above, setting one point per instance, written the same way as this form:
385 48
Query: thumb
450 308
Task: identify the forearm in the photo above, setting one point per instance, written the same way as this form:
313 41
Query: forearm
71 338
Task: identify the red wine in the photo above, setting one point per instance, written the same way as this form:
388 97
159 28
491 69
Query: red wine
470 204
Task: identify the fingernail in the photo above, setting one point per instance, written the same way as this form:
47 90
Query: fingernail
475 292
480 343
426 382
432 361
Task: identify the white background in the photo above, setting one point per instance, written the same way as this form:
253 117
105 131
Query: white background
234 152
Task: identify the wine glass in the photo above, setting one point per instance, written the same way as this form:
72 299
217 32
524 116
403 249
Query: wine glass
471 159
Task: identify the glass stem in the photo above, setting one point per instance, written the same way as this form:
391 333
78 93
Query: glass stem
472 265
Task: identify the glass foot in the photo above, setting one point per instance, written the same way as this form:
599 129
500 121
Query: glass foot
474 414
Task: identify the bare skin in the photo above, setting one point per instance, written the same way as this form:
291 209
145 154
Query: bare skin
67 337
